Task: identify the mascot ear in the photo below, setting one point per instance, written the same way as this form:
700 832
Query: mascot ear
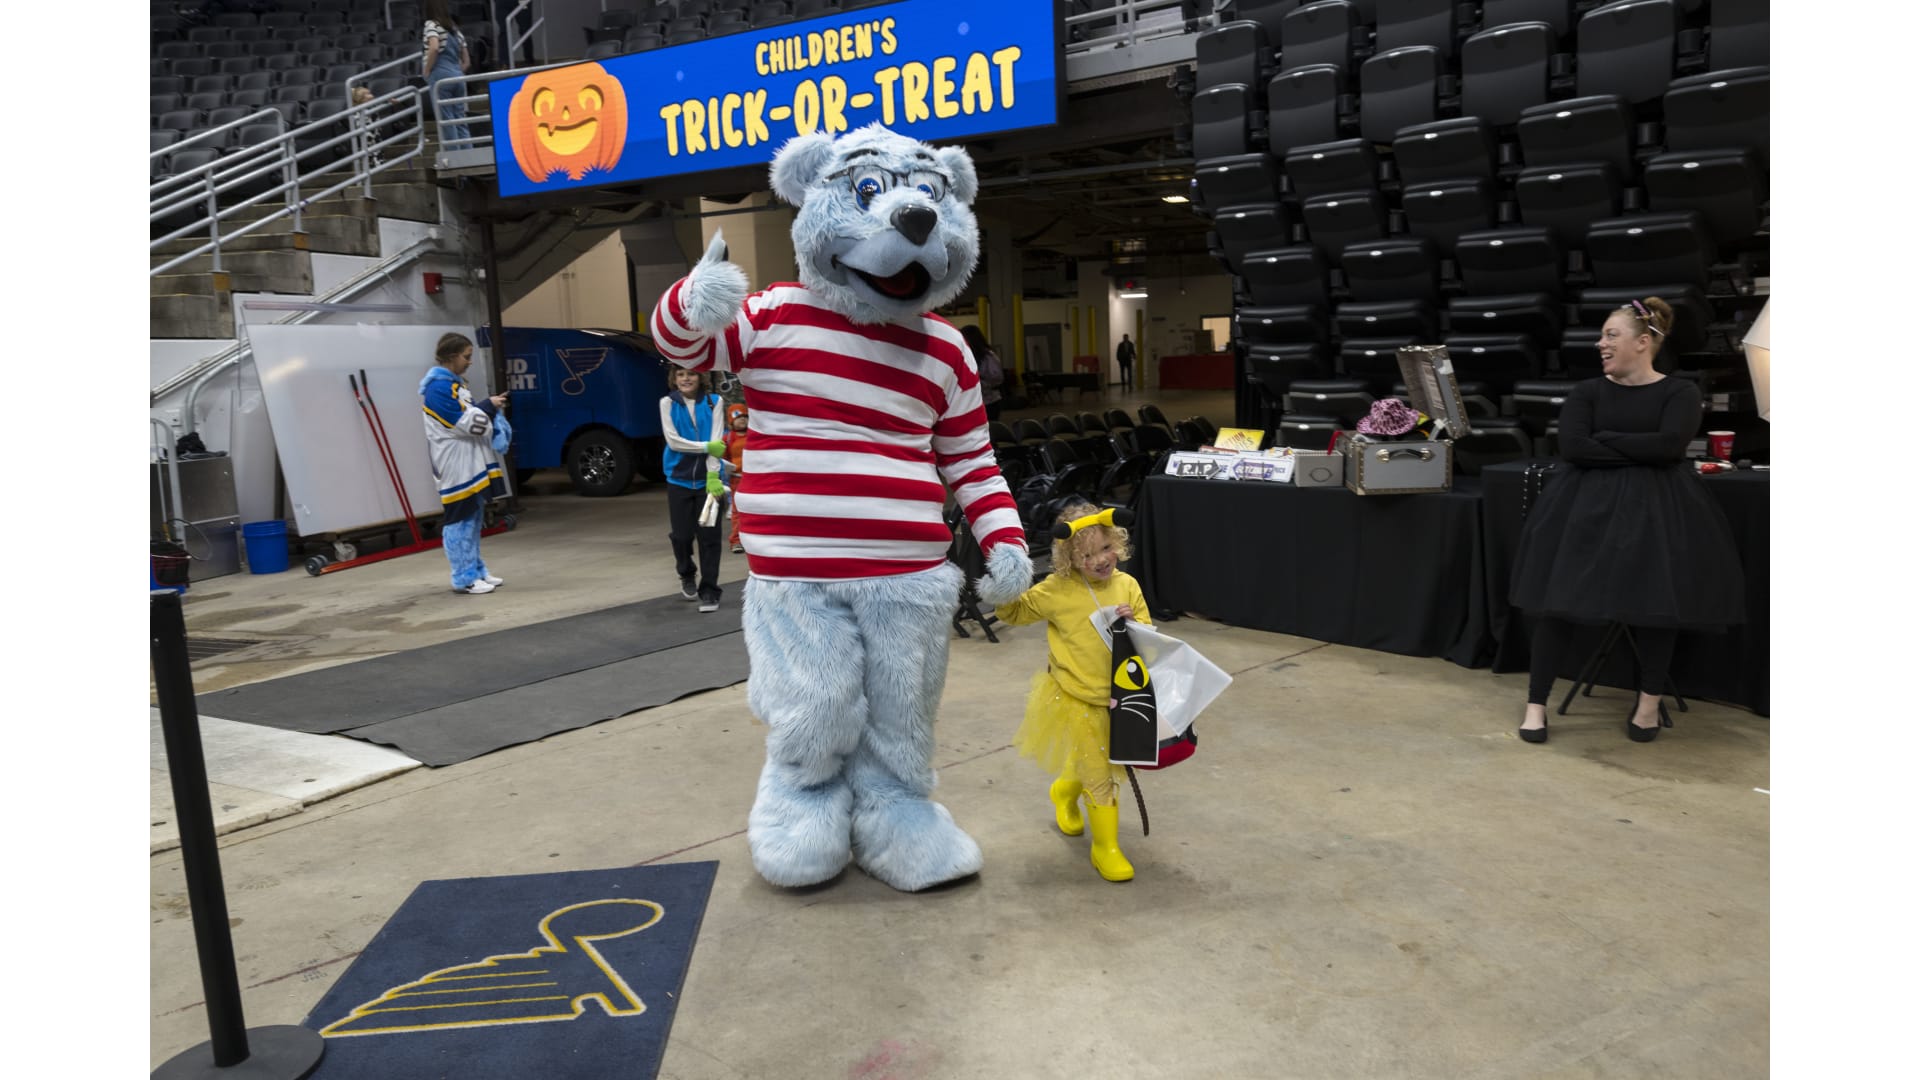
799 163
966 183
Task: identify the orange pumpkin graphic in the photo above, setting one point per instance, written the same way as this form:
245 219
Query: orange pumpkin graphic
570 119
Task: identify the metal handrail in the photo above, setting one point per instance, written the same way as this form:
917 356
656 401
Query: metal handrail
1129 13
235 174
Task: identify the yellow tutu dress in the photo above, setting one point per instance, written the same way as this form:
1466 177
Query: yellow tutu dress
1068 736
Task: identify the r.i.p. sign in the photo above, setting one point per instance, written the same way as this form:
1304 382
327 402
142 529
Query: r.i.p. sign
930 69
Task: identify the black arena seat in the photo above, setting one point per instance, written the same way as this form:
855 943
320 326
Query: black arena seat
1626 251
1342 218
1505 70
1627 49
1319 33
1399 88
1442 210
1289 275
1376 361
1565 199
1458 149
1282 325
1719 110
1237 179
1498 360
1222 118
1239 230
1324 168
1578 131
1557 14
1303 107
1738 35
1233 52
1400 23
1725 187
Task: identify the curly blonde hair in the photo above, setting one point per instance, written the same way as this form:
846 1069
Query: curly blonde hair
1063 549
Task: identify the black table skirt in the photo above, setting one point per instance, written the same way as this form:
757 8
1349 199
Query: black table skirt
1419 575
1732 667
1397 573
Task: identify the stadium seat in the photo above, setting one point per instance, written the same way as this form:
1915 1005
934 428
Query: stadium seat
159 103
1463 148
769 13
1117 419
1505 70
1306 431
1375 361
1498 360
1319 33
1565 199
251 99
1726 187
1399 268
1284 324
227 114
1520 262
258 80
1284 276
1303 107
1325 168
1402 23
1237 179
1557 14
1636 248
1491 441
1275 367
205 101
1233 52
1536 403
238 65
1268 13
1399 88
166 84
205 84
1720 110
1222 119
1442 210
1243 229
1346 400
1738 34
1578 131
1627 49
1337 220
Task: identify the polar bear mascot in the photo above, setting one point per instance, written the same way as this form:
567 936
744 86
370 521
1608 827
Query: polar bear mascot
864 413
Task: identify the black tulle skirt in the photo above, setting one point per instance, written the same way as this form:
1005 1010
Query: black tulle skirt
1643 545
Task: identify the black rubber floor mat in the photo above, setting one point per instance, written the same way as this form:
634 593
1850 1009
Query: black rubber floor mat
365 692
467 729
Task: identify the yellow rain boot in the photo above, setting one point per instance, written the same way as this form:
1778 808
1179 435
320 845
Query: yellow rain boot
1106 843
1065 793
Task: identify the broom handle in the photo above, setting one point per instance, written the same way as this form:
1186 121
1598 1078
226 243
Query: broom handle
392 473
399 487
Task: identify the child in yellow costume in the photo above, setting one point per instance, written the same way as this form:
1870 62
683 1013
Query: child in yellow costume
1066 726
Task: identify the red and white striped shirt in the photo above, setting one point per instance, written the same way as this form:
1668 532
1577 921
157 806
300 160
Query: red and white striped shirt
855 433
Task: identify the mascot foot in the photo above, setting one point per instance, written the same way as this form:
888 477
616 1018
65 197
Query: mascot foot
1106 844
1065 793
912 844
800 837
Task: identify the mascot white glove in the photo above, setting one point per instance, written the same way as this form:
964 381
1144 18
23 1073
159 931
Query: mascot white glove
713 290
1009 573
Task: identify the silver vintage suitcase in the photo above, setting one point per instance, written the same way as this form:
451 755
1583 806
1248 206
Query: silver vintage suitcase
1379 466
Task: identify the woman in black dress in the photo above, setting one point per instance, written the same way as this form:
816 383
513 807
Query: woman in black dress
1625 533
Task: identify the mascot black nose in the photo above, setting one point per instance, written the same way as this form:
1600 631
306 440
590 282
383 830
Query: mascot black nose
915 223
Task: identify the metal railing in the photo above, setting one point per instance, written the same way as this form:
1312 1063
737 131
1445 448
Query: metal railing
292 170
1128 17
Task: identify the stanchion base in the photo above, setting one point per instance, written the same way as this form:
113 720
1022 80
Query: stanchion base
280 1052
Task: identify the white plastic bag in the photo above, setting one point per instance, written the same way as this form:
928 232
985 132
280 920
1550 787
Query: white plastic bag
1184 682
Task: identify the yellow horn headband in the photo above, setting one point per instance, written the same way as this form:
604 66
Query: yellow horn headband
1111 516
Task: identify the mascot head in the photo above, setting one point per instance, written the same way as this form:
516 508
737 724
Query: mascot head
885 230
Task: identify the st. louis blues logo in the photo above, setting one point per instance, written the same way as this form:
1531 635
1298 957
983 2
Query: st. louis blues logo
580 363
554 981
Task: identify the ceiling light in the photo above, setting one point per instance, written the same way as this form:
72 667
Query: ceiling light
1137 294
1173 198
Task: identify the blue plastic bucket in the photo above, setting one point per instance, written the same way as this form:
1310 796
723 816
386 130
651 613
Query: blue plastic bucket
266 546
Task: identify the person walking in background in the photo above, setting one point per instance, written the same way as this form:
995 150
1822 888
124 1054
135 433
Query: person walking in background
1627 532
692 421
460 434
444 57
992 375
1124 354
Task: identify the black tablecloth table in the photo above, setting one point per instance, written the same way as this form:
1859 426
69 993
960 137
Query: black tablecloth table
1731 667
1398 573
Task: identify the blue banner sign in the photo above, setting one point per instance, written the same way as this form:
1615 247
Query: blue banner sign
930 69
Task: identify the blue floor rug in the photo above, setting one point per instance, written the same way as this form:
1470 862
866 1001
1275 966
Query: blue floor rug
556 976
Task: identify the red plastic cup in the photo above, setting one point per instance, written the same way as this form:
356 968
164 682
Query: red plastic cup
1720 444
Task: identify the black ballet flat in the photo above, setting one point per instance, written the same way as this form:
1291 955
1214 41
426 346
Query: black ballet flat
1534 735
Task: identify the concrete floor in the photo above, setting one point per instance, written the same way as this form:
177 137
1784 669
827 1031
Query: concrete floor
1363 873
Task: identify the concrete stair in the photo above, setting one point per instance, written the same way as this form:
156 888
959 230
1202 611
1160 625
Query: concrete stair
191 300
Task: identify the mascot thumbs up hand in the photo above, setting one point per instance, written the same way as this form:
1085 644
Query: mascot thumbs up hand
712 292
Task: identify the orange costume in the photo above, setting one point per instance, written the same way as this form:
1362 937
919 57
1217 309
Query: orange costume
736 446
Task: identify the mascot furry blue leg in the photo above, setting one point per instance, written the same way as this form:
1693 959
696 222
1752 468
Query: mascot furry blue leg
864 416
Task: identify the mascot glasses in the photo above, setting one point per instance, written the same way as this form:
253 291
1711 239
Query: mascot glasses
869 182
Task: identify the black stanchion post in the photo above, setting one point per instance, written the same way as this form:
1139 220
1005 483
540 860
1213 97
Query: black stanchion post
280 1052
